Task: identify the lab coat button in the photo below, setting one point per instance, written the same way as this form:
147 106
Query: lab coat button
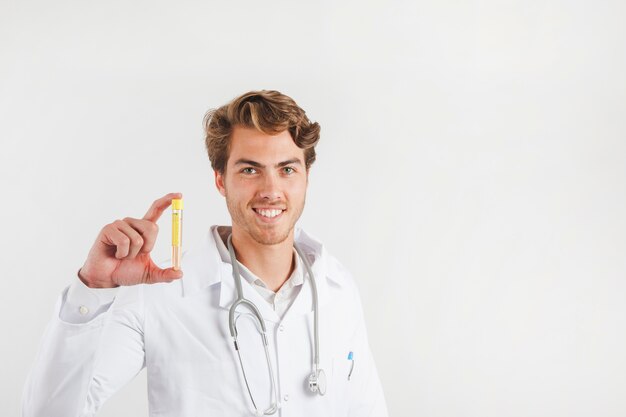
281 328
83 310
286 397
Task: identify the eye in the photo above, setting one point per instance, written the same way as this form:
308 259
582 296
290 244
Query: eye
288 170
249 170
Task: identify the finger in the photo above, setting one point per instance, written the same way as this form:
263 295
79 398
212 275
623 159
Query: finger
157 208
135 239
156 274
148 231
113 236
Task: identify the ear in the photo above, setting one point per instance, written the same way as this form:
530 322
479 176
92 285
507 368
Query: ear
219 183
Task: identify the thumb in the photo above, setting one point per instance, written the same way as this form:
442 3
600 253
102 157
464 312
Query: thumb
164 275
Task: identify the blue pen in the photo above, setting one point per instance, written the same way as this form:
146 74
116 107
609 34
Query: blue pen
351 358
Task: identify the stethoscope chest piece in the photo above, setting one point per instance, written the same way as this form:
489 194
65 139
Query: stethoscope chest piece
317 382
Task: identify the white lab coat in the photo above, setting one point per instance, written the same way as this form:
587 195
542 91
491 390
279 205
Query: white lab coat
179 332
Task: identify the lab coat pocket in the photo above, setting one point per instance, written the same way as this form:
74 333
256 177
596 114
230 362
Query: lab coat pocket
339 387
343 373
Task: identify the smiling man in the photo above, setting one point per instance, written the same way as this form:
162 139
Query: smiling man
261 319
265 197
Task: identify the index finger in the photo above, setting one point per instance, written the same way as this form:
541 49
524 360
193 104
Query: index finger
157 208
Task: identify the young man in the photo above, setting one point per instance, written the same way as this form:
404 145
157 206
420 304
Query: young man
300 345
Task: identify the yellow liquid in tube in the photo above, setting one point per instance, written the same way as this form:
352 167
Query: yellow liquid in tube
177 232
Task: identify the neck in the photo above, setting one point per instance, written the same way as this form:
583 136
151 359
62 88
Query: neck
273 264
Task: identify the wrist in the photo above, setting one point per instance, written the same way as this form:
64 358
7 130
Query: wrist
92 283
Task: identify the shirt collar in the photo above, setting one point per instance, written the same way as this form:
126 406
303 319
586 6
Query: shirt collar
220 233
203 265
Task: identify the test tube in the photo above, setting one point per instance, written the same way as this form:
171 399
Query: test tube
177 231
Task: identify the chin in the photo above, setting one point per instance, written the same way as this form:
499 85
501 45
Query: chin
266 237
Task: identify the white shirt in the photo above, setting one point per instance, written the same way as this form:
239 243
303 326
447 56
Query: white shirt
179 332
286 294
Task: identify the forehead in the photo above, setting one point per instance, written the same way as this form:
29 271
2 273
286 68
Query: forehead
250 143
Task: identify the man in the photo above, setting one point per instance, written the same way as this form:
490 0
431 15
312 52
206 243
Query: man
124 313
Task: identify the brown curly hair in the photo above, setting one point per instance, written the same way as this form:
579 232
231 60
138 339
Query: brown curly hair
269 111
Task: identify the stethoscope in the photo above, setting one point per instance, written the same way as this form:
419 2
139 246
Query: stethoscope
317 378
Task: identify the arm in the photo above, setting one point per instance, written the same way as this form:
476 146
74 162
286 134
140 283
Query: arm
94 343
84 358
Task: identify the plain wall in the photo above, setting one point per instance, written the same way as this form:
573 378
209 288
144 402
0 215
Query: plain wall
471 174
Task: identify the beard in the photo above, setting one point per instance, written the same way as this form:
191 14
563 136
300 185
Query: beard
264 234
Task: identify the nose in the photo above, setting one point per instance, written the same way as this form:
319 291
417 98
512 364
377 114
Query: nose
270 188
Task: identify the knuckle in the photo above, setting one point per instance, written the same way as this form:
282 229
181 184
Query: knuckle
138 241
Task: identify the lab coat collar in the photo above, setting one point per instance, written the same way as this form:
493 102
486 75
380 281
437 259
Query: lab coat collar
203 267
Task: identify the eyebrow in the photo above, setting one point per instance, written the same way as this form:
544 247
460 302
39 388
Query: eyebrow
293 161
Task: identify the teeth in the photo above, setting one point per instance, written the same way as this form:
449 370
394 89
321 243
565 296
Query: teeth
269 213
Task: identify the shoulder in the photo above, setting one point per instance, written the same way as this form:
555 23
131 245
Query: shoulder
336 272
343 282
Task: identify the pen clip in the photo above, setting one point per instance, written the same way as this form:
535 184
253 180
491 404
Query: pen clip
351 359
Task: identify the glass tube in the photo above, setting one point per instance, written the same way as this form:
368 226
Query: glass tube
177 232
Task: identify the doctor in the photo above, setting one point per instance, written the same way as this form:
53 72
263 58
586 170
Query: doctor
123 312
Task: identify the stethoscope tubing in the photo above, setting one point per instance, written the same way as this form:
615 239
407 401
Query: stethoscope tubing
240 300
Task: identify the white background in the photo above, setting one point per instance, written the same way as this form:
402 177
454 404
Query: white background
471 174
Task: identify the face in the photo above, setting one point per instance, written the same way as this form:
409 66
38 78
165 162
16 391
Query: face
264 184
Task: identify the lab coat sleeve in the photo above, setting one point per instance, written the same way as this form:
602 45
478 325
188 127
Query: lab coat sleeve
367 397
82 304
80 365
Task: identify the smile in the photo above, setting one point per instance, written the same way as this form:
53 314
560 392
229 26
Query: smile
268 215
